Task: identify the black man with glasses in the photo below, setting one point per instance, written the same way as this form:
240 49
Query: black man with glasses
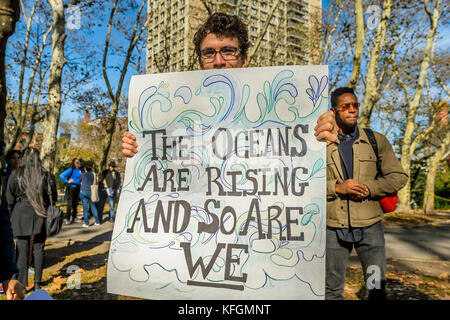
354 189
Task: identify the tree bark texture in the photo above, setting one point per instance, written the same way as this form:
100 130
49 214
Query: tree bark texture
51 121
357 58
407 152
9 15
371 92
432 165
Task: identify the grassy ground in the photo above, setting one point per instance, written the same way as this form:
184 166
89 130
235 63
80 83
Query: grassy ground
401 284
417 218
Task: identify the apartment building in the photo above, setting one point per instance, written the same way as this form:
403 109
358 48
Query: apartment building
289 38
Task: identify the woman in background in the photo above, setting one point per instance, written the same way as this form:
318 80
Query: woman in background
27 194
13 159
71 176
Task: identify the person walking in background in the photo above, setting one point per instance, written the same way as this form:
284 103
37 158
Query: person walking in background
71 176
27 194
13 160
9 273
86 180
110 184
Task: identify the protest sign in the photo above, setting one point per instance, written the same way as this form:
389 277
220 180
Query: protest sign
226 197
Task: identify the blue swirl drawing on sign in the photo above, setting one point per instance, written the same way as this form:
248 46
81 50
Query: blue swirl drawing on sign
185 93
316 88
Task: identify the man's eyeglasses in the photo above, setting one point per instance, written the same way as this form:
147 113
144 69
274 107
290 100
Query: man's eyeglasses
346 106
227 53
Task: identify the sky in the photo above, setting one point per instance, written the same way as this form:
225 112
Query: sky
97 37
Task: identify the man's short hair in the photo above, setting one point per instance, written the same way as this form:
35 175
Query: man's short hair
339 92
225 25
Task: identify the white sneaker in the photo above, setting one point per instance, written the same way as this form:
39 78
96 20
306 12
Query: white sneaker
85 225
96 224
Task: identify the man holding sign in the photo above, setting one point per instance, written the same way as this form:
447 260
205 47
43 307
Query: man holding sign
222 43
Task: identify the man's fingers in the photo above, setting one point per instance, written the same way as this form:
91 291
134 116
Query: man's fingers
128 152
327 137
129 145
129 135
360 191
326 128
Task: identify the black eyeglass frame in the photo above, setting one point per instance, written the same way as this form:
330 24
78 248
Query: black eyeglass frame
235 55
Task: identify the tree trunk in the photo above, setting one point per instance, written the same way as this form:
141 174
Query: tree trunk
9 15
371 92
359 22
51 121
432 165
115 97
110 128
407 152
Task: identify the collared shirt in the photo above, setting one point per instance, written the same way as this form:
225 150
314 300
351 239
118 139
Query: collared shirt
346 152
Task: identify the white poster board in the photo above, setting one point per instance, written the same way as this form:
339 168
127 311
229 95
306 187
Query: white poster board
226 197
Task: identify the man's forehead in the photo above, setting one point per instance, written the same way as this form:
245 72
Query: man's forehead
213 39
347 96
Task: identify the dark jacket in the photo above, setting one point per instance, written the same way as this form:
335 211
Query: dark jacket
24 220
7 264
368 212
106 180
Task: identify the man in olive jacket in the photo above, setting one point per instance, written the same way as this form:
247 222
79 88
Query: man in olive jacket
354 213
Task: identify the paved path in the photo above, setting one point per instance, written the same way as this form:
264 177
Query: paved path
75 232
419 247
425 249
430 243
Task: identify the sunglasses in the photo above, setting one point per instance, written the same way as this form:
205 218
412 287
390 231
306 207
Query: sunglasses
347 106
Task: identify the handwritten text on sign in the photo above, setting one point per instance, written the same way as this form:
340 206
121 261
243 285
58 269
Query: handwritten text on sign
226 196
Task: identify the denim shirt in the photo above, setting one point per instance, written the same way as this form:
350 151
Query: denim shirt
86 181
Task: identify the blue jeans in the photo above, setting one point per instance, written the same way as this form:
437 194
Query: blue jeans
85 197
111 201
371 253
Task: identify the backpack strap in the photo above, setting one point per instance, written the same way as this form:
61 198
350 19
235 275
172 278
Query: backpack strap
373 143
